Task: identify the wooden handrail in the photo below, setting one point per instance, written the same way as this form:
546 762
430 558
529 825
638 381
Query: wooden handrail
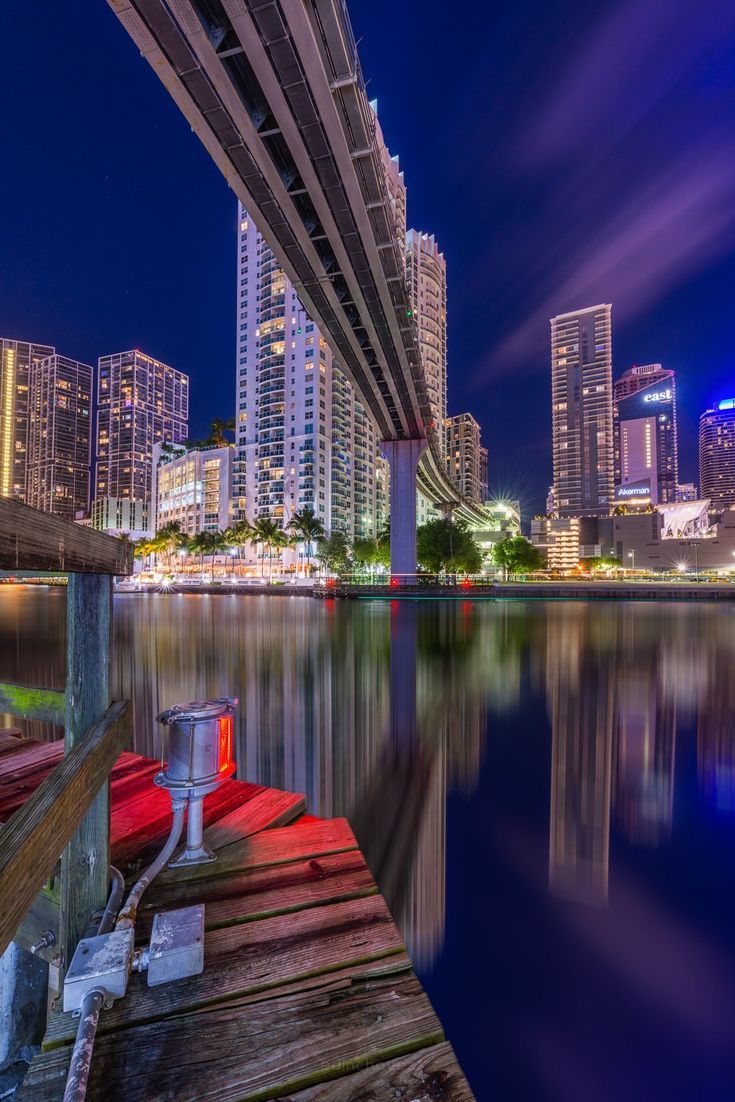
48 705
32 840
32 540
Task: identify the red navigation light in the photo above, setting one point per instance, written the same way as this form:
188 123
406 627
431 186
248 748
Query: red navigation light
466 583
394 581
330 583
226 760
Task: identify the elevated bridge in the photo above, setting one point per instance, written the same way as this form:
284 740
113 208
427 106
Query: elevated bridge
275 92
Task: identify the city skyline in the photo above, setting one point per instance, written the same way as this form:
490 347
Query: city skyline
178 305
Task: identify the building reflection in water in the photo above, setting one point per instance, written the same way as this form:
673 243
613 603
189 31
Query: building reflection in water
378 711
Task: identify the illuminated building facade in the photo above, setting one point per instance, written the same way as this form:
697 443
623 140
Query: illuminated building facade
60 436
559 539
141 402
464 456
193 488
16 359
426 276
303 437
582 418
646 440
717 454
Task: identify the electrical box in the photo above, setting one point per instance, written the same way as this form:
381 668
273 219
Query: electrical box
99 963
177 945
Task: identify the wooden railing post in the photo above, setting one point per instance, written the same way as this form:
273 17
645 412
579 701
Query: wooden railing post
84 864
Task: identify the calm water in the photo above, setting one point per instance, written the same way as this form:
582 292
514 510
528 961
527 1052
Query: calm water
545 791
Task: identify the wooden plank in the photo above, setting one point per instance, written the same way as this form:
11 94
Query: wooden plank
9 739
271 1050
131 777
429 1075
262 893
140 827
31 540
46 705
30 757
85 861
274 847
254 957
270 808
31 842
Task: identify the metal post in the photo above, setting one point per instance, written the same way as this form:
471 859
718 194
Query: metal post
84 863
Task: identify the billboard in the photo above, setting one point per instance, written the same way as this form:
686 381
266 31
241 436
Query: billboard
634 493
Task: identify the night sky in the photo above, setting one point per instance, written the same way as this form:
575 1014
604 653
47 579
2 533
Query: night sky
564 154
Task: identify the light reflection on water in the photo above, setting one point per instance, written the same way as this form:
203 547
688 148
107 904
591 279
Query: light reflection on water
414 718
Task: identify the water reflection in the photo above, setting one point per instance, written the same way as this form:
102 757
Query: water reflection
381 711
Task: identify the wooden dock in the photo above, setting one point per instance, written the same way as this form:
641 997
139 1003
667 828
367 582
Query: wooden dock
307 992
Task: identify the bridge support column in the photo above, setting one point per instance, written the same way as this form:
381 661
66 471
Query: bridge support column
403 459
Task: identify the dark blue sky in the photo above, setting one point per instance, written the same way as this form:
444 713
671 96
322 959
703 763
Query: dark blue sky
564 154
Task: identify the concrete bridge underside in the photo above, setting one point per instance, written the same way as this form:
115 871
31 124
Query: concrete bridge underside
275 93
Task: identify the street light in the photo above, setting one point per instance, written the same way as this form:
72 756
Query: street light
631 555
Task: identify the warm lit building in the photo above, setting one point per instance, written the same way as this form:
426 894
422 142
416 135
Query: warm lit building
426 276
16 358
141 402
193 488
559 539
303 437
60 436
582 418
464 456
717 454
646 441
484 474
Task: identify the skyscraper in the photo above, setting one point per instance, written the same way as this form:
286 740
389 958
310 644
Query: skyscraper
646 440
60 435
581 403
717 454
16 358
464 456
426 276
303 436
141 402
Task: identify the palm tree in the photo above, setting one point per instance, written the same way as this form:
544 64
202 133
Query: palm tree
201 546
267 533
305 524
218 545
217 431
239 536
168 539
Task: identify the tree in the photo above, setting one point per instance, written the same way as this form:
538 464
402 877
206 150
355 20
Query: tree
240 536
448 545
168 539
201 545
334 552
269 535
516 555
217 432
307 527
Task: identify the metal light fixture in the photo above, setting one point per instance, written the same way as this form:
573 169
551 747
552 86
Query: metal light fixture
198 759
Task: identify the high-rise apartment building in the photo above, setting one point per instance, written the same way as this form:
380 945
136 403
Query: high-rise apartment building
465 465
60 435
16 359
646 440
426 276
582 418
140 402
717 454
303 437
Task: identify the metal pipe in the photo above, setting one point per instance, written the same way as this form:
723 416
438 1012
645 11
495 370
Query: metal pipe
81 1057
113 903
129 912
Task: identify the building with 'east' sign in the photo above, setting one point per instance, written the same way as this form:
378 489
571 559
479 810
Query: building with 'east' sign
646 441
